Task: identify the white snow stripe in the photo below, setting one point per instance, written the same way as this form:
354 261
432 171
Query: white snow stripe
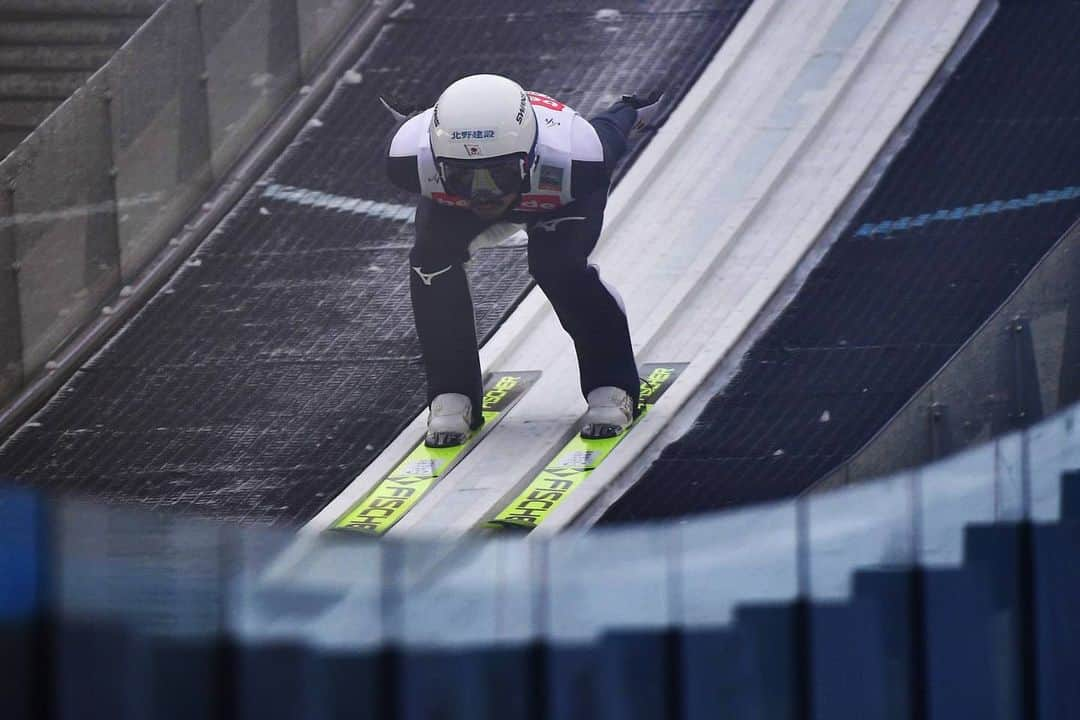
340 203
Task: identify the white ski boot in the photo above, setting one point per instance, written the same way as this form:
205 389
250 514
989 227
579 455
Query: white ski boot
610 413
450 421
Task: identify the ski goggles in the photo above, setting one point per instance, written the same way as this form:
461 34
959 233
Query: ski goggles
478 178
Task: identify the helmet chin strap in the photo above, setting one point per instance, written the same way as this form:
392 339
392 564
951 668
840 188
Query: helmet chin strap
533 161
533 158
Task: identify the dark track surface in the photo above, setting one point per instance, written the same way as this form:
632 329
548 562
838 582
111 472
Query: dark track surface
888 305
282 359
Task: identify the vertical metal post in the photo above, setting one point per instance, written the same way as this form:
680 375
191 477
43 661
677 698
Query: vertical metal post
390 652
1069 383
801 642
1026 406
674 667
285 53
45 690
917 606
1018 404
301 72
110 143
11 340
204 81
225 693
937 418
538 688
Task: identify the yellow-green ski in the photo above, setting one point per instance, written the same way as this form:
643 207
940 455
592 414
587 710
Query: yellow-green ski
414 476
573 464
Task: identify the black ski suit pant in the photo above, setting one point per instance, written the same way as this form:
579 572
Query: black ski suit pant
558 260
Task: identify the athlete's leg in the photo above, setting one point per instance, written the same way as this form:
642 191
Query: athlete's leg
589 310
442 304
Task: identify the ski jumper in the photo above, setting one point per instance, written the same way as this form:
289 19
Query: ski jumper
563 216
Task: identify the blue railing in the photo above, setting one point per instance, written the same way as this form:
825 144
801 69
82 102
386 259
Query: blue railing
947 591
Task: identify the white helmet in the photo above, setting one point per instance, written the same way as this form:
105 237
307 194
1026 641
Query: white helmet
484 122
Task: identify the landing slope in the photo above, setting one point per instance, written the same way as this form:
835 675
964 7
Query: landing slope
988 182
282 358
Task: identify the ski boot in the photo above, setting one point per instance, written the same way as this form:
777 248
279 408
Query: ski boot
647 106
450 421
610 413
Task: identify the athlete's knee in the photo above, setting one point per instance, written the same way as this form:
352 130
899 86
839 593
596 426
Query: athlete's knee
428 265
611 290
553 273
428 275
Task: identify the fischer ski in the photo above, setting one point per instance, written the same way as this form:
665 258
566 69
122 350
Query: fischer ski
415 475
573 464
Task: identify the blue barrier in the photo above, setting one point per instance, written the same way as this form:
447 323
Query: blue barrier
974 629
23 629
453 684
1070 497
22 554
938 593
1057 622
571 683
188 678
271 682
862 650
1056 581
751 669
100 670
356 685
633 681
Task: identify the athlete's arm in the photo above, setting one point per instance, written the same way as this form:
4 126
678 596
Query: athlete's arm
401 165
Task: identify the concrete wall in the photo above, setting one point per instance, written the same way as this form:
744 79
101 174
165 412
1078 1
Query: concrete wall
99 188
50 48
1022 365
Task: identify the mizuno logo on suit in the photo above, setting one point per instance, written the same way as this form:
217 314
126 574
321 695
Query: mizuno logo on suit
426 278
550 225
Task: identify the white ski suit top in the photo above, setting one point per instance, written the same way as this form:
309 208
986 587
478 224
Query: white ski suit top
568 151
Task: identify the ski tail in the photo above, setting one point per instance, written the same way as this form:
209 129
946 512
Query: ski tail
575 461
403 487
